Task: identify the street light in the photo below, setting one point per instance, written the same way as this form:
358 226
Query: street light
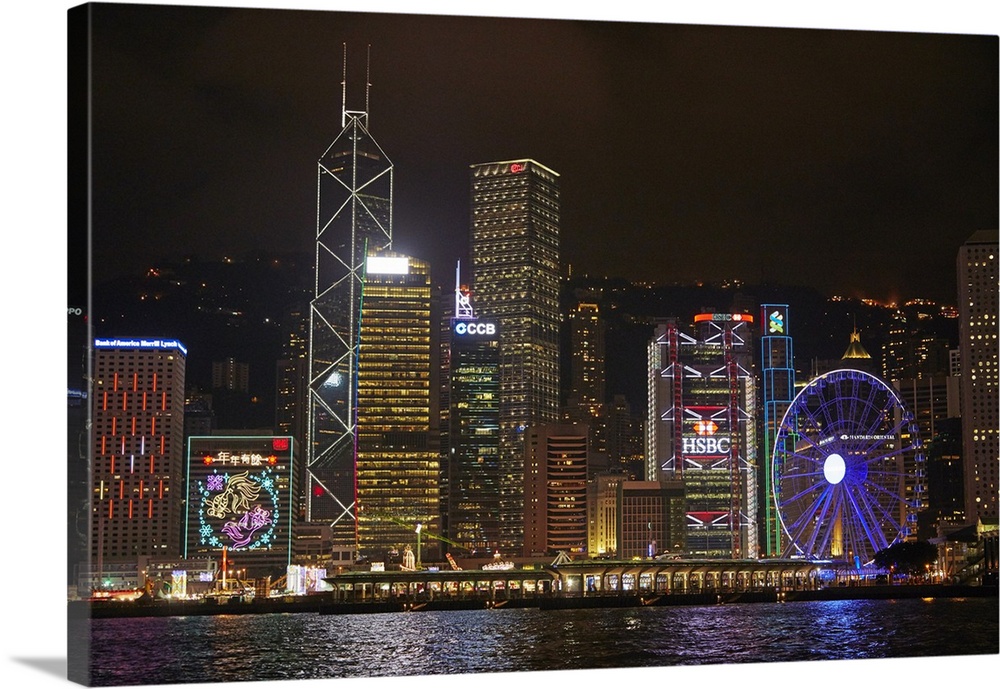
419 529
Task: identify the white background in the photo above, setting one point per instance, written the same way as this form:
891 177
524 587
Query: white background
33 263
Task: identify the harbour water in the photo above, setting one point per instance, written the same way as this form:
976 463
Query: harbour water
130 651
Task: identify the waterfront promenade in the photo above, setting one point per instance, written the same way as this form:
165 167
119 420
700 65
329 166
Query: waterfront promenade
324 604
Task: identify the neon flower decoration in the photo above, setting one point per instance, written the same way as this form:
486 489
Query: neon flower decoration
239 511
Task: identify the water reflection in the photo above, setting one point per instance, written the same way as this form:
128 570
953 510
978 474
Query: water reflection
245 647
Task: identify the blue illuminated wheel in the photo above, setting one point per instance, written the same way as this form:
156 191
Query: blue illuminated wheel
848 468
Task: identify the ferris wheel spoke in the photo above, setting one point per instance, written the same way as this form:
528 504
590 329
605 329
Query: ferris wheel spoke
867 522
873 509
801 495
822 526
858 418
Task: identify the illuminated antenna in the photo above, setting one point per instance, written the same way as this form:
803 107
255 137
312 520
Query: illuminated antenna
368 80
359 114
343 93
463 306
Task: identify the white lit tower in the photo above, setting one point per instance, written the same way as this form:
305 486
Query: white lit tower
701 430
977 303
515 268
353 219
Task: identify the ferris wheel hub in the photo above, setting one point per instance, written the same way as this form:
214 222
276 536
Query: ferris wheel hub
834 469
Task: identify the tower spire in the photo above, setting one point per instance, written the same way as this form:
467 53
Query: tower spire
343 92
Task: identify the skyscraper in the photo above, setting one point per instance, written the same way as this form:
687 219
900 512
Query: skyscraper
701 430
586 403
555 489
777 367
515 266
473 449
353 219
977 303
137 475
397 459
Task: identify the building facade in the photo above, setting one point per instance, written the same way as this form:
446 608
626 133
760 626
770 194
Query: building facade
777 372
137 471
702 430
555 489
977 299
353 220
241 498
473 450
515 266
397 455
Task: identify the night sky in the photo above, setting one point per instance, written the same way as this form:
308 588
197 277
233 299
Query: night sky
853 161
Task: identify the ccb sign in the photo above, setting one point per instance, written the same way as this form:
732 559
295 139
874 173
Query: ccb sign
464 328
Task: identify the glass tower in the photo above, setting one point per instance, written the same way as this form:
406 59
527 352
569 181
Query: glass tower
397 462
701 430
515 266
474 435
353 219
977 303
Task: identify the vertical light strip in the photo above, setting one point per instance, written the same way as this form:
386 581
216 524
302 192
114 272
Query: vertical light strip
154 382
130 515
131 464
149 513
111 509
114 425
104 400
135 382
144 400
114 384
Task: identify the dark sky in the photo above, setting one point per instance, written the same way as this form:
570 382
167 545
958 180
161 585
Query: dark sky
853 161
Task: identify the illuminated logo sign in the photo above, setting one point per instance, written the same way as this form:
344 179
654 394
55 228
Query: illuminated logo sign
475 328
253 459
518 167
387 265
706 427
776 318
724 318
238 510
699 445
138 343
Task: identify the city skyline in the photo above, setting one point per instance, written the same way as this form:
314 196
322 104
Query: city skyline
37 652
854 162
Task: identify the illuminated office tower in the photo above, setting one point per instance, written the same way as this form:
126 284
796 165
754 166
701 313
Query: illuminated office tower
137 474
473 448
586 395
515 266
241 500
977 300
555 489
701 430
777 369
397 462
354 218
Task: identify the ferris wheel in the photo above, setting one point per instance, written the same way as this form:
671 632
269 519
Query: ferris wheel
848 468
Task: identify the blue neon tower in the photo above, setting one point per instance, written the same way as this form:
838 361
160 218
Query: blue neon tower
778 387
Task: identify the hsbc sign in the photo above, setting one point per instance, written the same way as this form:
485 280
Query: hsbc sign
700 445
474 328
